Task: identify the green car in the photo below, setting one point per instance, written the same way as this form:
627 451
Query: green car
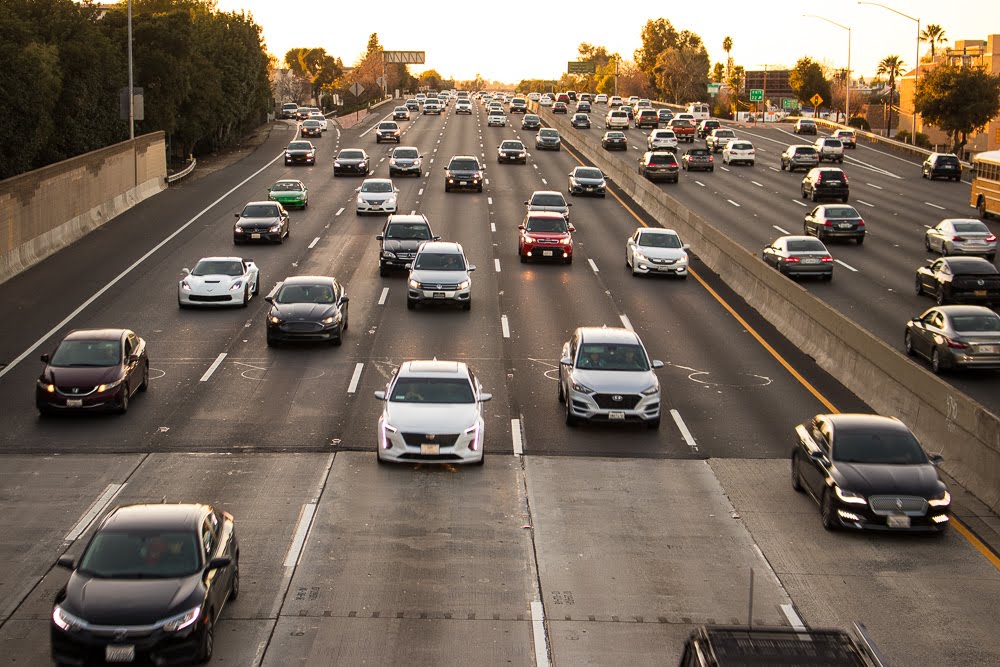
289 193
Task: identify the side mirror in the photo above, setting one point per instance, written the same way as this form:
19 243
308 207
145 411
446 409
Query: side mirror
408 266
915 320
685 247
525 202
657 363
566 361
269 299
569 203
345 299
380 395
67 562
472 267
219 562
45 357
572 228
236 215
936 459
816 454
485 397
520 226
379 238
929 261
186 271
133 358
436 238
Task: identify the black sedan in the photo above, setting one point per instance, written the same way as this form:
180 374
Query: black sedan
300 152
149 587
614 140
351 161
587 181
869 472
93 370
959 280
261 221
307 308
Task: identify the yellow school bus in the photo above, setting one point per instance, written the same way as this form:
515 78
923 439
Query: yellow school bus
986 184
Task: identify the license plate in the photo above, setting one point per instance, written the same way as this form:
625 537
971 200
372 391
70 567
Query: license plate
898 521
121 653
980 292
546 253
844 225
616 416
255 236
976 242
989 349
833 182
430 450
463 182
810 260
74 402
438 295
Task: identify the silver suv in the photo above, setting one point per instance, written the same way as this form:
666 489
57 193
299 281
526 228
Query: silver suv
606 375
799 156
830 148
440 274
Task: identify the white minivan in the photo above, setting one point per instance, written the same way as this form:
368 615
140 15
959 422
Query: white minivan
699 110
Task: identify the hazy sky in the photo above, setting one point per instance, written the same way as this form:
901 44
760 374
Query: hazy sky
511 41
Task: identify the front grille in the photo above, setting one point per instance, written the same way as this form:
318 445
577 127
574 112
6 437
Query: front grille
209 297
443 439
608 402
254 228
301 327
548 241
909 505
405 255
445 287
663 261
76 391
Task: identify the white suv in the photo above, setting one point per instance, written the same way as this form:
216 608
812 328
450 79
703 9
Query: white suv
830 149
616 120
440 274
433 412
662 140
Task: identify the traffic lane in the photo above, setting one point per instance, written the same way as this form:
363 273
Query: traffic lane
266 527
646 643
883 581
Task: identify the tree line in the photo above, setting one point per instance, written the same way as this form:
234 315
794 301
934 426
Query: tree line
204 75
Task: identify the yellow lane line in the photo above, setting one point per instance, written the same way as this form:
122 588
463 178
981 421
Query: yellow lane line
975 542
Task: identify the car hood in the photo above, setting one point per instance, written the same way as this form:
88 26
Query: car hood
438 277
661 253
254 222
303 312
877 479
376 196
431 417
548 235
401 245
584 180
351 160
210 281
130 601
405 161
463 173
89 376
547 140
615 382
300 151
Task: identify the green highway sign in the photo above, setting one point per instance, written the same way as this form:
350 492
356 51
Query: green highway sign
713 88
581 67
789 103
756 94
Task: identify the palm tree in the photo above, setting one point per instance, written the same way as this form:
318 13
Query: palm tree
891 66
727 46
933 34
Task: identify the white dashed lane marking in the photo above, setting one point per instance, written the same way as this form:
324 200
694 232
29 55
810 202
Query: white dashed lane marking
593 265
783 231
846 266
353 386
382 298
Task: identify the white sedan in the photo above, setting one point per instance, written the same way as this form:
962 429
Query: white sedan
654 250
323 124
545 101
738 150
376 195
219 281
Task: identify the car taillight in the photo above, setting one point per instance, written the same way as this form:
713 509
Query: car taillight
991 238
826 259
711 159
791 260
956 344
861 223
827 223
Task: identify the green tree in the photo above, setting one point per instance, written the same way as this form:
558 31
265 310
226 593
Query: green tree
718 73
727 46
958 100
933 34
657 36
892 67
316 65
681 73
807 79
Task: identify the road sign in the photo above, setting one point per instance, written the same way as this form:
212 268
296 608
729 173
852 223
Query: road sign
404 57
756 94
816 100
789 103
713 88
356 89
581 67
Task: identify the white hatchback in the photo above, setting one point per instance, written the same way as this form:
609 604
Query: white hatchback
662 140
376 195
738 151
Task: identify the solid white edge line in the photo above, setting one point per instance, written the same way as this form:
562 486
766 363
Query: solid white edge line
685 433
539 636
385 293
505 326
301 531
213 367
846 266
593 266
496 265
626 323
353 387
314 242
95 509
79 309
515 434
793 618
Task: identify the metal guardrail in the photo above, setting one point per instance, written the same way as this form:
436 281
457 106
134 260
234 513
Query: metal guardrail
173 178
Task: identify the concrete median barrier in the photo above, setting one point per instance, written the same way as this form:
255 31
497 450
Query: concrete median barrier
944 418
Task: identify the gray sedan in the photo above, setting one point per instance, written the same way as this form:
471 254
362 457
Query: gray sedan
799 256
837 221
961 236
955 337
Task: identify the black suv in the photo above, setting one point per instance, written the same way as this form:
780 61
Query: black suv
706 126
400 238
463 173
944 165
659 166
825 183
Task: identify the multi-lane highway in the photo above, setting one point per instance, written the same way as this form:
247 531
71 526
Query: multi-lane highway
591 545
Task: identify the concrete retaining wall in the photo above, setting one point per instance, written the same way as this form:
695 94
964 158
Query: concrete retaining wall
945 419
45 210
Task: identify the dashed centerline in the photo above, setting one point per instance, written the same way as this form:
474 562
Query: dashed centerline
733 203
505 326
314 242
625 322
940 208
783 231
496 265
846 266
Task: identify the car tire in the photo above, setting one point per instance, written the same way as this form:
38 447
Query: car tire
796 474
927 244
561 395
234 590
860 240
379 460
410 304
145 379
918 286
123 407
826 512
944 250
782 166
991 258
256 285
383 270
750 163
908 344
653 424
272 342
467 305
568 260
571 420
207 644
936 366
246 297
939 296
843 200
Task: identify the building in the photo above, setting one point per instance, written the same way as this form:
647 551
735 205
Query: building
970 52
773 82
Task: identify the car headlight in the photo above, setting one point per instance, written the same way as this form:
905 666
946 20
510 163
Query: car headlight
392 162
386 428
361 200
637 255
181 621
388 255
275 227
331 320
46 385
651 391
583 389
850 496
567 241
415 284
941 500
185 286
310 154
237 285
109 385
287 154
66 621
362 165
391 201
464 284
274 319
336 163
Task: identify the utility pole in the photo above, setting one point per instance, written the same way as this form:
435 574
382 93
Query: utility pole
617 60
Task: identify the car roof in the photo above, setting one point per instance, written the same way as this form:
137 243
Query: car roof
95 334
465 157
546 215
858 422
957 309
289 180
954 220
262 202
545 192
656 230
307 280
412 148
448 247
433 368
156 516
796 237
377 180
607 335
221 259
408 218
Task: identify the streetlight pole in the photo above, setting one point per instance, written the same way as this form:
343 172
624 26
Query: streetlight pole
131 94
847 103
916 66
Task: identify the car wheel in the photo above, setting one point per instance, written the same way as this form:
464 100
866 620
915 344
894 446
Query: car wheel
826 512
843 200
145 379
653 424
562 396
207 640
123 406
927 244
939 296
410 304
712 169
234 590
570 419
918 286
860 240
908 344
981 207
782 166
467 305
804 195
991 258
379 460
796 476
936 362
750 163
246 296
383 270
944 249
256 285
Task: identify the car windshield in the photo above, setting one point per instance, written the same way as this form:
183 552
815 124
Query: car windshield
259 211
432 390
300 146
548 200
587 172
512 145
304 294
612 357
406 153
387 126
439 261
657 240
986 323
975 227
551 134
141 555
681 122
841 212
531 117
216 267
311 123
78 353
545 225
286 186
806 245
888 447
463 165
350 155
496 112
406 230
376 186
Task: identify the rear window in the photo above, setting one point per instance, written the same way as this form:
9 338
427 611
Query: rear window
548 200
969 265
742 146
805 150
806 245
831 176
947 159
973 323
842 212
662 158
351 155
975 227
833 143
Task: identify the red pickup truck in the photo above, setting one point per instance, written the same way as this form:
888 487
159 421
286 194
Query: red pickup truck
683 128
